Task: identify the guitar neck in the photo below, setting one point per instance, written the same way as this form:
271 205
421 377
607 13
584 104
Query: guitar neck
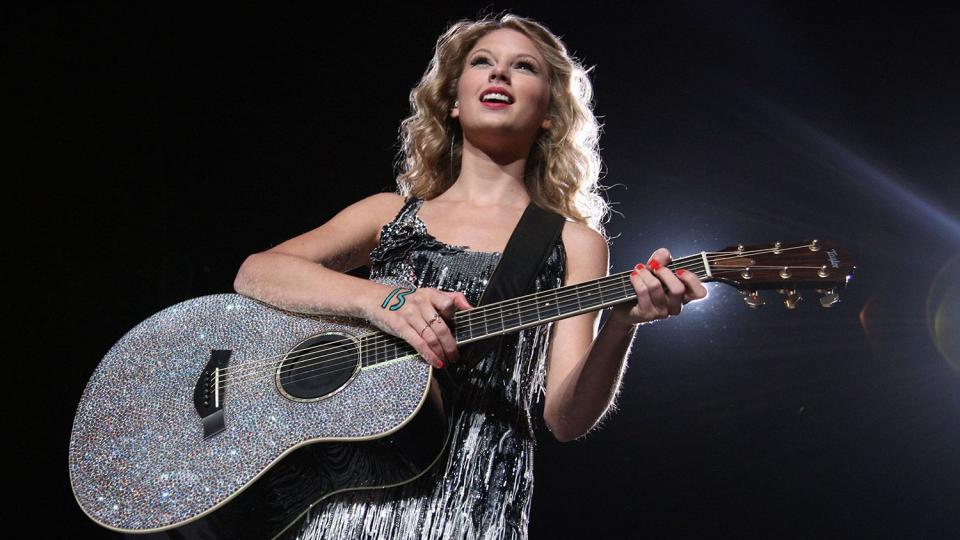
554 304
513 315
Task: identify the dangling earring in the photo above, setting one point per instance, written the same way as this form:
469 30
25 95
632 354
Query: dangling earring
452 135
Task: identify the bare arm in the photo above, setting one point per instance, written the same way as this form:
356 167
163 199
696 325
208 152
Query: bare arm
585 368
304 274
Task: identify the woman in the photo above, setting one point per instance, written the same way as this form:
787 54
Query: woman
501 118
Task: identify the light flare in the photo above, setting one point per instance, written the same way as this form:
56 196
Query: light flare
833 154
943 312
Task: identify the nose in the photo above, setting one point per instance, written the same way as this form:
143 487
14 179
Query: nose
498 73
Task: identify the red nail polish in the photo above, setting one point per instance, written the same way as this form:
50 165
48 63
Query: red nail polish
634 273
440 363
639 267
681 272
653 265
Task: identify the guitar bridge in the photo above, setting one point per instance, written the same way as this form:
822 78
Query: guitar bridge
209 393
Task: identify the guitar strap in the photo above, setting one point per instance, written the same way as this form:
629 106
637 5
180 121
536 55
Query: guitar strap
527 251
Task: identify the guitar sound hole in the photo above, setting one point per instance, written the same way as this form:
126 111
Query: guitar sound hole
319 366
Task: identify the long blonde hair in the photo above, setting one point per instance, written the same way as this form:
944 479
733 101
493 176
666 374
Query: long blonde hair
564 166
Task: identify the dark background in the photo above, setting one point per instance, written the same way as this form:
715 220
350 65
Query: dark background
160 146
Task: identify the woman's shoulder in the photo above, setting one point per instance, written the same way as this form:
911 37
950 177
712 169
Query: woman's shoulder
582 236
382 202
588 255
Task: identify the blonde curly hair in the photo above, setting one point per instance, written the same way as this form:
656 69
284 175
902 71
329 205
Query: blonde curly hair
563 170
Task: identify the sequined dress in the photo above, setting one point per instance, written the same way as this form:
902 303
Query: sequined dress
484 488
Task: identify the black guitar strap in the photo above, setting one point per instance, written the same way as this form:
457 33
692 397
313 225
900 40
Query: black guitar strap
522 260
526 253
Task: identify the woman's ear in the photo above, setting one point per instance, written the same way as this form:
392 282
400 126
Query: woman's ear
455 111
546 124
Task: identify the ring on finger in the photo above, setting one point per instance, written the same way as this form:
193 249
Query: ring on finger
430 323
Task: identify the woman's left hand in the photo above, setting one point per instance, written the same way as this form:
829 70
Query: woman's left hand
660 292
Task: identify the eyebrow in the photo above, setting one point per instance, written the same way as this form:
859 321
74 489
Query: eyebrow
488 51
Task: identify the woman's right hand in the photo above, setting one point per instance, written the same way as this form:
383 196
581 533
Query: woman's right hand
420 317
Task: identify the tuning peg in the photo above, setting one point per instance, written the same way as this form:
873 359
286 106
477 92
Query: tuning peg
753 299
829 299
815 245
792 299
776 247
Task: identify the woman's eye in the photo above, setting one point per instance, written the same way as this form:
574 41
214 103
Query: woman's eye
528 66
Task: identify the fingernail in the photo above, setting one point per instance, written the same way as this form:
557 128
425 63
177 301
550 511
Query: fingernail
654 265
681 272
634 273
639 267
440 363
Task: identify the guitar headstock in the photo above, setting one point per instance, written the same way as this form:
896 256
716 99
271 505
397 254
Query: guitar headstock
786 267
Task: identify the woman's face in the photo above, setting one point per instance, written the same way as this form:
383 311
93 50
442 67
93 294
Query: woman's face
504 89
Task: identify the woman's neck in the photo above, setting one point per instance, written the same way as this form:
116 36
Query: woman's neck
488 179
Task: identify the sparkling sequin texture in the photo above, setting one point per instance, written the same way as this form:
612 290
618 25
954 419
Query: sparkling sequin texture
484 488
137 457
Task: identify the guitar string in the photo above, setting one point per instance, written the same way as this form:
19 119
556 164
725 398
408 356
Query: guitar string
683 262
619 284
349 365
466 323
678 263
463 319
466 318
320 368
391 340
696 259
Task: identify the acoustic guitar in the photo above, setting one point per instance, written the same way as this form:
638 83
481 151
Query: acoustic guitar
223 417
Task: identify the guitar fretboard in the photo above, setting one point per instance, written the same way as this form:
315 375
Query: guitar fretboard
523 312
542 307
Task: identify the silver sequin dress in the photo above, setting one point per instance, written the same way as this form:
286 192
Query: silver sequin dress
484 488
